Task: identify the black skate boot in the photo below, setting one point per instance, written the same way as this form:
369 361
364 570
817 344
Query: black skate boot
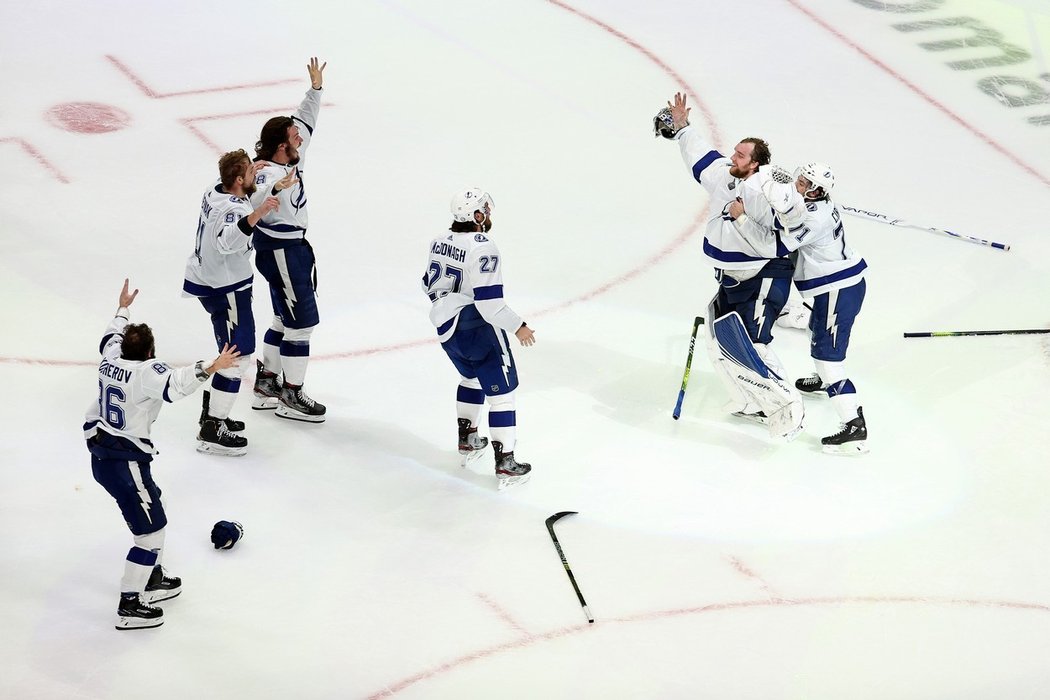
471 445
296 405
267 389
161 586
215 439
812 386
234 426
851 440
134 614
509 471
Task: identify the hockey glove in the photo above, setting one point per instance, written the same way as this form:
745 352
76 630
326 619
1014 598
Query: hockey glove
226 533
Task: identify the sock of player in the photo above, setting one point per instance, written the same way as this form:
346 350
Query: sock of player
840 389
503 420
469 399
272 340
295 354
137 568
223 392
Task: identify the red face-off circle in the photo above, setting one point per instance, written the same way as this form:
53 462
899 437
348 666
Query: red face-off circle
87 117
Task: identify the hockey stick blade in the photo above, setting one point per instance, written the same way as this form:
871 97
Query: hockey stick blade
945 334
688 363
557 545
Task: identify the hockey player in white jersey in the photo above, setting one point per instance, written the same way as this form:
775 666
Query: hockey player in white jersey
754 281
286 259
464 281
219 273
133 386
829 274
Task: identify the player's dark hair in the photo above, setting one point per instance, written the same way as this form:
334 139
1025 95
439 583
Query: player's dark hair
760 153
137 343
273 134
463 227
232 165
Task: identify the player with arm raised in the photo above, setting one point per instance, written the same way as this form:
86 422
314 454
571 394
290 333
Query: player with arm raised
464 281
754 278
219 273
286 259
133 386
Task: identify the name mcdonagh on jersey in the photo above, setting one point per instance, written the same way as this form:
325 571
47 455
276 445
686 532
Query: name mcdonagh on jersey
442 248
114 372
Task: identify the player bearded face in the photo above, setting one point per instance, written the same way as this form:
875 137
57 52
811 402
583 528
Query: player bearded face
743 165
291 146
248 179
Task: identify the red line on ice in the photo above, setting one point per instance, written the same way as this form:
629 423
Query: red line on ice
921 93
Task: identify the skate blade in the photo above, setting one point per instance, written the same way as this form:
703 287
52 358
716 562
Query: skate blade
212 449
290 414
264 403
137 623
469 457
849 449
514 480
151 597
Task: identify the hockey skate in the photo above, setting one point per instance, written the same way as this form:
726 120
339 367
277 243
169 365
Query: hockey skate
161 586
794 316
267 389
134 614
234 426
851 440
509 471
296 405
214 438
812 385
471 445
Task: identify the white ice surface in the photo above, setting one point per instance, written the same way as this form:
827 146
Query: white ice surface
717 564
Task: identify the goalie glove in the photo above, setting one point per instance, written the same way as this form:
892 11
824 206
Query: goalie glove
226 533
663 124
778 187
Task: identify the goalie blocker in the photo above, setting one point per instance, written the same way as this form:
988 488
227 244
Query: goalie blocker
746 374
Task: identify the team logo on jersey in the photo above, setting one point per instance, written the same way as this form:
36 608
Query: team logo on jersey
732 185
479 238
494 388
812 206
230 217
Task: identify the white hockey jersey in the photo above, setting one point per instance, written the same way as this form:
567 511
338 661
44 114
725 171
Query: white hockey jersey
724 246
825 262
221 260
464 280
288 223
131 392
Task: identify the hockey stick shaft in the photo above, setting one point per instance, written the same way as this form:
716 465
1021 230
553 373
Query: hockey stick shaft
943 334
688 363
557 545
893 221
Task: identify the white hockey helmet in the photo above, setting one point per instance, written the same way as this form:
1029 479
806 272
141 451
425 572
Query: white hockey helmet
468 201
819 175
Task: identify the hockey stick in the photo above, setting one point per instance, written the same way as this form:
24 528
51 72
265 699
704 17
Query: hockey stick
885 219
942 334
688 361
550 528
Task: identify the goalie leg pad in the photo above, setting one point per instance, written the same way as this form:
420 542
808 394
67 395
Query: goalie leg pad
746 368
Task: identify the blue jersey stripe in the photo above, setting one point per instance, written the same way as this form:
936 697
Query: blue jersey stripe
494 291
701 165
805 285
